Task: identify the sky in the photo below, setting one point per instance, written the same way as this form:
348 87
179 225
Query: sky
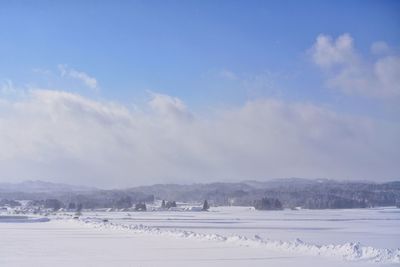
125 93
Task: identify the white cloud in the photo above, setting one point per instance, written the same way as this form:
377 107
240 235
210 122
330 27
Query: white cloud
78 75
379 48
328 52
387 70
66 137
168 106
347 71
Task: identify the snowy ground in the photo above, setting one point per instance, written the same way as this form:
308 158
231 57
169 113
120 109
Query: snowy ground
222 237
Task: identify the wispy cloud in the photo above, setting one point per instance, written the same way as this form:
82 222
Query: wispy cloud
351 73
380 48
89 81
7 87
227 74
252 84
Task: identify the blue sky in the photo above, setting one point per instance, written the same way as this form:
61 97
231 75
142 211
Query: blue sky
223 90
179 47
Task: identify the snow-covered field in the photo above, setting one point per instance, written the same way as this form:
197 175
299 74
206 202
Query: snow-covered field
225 236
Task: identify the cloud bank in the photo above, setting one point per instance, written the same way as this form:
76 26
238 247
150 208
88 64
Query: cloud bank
64 137
353 74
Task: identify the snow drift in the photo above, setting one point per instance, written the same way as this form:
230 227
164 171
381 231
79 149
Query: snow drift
348 251
21 219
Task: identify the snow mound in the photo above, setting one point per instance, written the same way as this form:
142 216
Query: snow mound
347 251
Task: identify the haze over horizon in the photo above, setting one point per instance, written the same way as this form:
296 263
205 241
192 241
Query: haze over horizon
137 93
48 186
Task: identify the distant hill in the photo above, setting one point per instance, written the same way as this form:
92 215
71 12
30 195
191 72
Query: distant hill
41 187
292 192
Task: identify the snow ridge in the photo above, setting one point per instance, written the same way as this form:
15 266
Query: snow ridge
348 251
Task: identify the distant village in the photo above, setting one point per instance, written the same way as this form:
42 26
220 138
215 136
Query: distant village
51 206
